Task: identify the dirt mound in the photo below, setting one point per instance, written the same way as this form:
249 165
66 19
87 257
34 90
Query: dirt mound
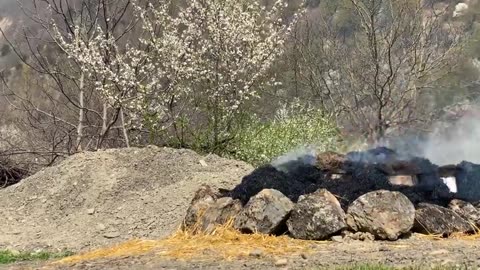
99 198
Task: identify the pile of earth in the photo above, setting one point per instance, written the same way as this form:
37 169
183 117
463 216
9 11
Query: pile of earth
100 198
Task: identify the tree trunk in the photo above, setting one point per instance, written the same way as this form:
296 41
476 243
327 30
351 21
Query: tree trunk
81 114
124 128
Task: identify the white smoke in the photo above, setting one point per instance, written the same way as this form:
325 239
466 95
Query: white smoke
304 155
454 143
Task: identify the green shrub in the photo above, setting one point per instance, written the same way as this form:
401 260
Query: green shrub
259 142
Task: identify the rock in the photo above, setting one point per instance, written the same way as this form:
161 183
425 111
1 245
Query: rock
111 235
468 181
203 163
203 198
207 210
466 210
281 262
403 180
316 216
435 219
265 213
357 236
256 253
91 211
385 214
337 238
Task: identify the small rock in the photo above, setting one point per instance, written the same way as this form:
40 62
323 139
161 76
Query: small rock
203 163
256 253
337 238
281 262
111 235
385 214
316 216
91 211
101 227
358 236
466 210
439 252
265 213
434 219
304 256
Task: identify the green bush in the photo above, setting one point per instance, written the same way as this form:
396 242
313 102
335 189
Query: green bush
259 142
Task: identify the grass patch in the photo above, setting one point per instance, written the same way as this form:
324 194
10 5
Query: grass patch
7 256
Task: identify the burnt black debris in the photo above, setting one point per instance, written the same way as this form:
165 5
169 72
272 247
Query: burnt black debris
363 172
303 180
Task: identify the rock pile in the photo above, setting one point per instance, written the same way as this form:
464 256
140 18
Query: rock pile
362 195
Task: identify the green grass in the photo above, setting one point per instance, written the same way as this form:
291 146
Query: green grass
7 256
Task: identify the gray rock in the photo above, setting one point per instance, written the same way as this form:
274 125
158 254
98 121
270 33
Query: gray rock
265 213
337 238
468 181
434 219
316 216
357 236
385 214
281 262
466 210
207 210
256 253
111 235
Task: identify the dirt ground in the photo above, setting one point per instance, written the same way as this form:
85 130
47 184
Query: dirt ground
100 198
416 251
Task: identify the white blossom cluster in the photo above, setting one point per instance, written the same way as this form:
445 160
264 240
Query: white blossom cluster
211 52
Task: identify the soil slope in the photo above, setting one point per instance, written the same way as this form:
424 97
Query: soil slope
100 198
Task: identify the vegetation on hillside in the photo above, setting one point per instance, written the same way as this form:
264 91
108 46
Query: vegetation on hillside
214 76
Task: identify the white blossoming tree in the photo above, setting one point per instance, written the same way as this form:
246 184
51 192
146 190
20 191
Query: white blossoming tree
193 69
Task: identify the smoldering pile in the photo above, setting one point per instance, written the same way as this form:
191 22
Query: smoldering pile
377 192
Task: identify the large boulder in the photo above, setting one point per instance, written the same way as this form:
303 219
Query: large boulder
316 216
207 210
265 213
466 210
468 181
435 219
385 214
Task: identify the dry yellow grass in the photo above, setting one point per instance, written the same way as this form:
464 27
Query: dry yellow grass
224 242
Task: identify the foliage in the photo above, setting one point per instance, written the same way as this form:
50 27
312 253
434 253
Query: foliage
208 61
7 256
294 126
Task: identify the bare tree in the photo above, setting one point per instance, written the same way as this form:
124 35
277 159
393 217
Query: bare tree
373 74
63 103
